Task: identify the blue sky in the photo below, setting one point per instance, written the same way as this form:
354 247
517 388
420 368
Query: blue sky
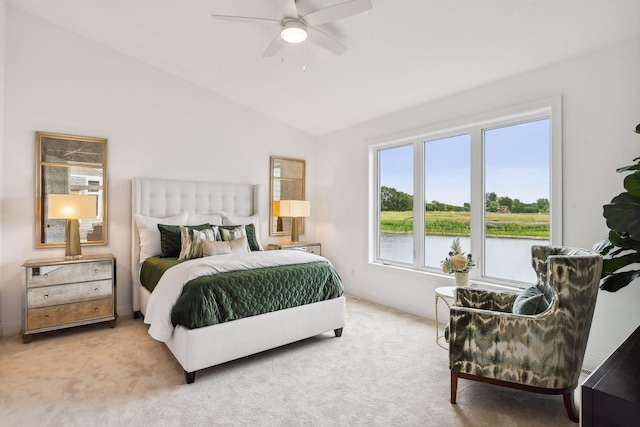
516 160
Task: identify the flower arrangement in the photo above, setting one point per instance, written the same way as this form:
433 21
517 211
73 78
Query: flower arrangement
457 261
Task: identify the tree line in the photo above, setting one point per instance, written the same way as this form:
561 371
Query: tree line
394 200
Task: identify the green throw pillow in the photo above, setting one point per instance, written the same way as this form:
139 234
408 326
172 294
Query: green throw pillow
530 301
250 230
170 239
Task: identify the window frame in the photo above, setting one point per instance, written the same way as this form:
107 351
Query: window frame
475 126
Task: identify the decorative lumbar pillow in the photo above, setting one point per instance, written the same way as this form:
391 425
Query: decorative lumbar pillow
212 248
171 239
254 241
530 301
191 241
213 219
239 245
150 235
231 233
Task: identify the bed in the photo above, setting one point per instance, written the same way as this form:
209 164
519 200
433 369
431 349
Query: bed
207 346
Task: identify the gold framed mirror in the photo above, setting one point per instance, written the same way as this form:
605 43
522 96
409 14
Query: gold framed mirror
287 183
70 164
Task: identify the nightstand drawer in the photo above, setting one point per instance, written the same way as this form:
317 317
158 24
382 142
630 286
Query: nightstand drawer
64 294
68 273
313 249
69 313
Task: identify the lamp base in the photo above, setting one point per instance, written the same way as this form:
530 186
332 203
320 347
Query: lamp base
73 249
295 237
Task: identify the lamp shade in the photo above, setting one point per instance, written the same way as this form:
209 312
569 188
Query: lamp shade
295 208
71 206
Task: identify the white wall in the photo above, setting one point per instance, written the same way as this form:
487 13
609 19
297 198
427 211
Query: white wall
157 126
601 108
3 21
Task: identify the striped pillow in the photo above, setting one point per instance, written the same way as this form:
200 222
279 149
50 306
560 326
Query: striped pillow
191 241
229 234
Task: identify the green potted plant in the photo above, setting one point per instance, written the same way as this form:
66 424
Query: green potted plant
622 247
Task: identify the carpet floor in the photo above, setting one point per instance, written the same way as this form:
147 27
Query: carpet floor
385 370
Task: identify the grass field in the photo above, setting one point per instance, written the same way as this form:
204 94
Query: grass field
534 226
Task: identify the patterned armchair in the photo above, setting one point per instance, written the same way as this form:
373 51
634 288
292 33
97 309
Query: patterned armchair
542 353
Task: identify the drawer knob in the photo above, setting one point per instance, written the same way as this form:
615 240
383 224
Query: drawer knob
95 271
46 275
95 309
96 290
46 316
46 296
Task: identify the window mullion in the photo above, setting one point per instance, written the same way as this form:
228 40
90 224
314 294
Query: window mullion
477 201
418 204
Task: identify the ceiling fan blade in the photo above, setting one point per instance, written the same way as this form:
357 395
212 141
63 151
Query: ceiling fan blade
288 8
325 41
274 47
247 19
338 11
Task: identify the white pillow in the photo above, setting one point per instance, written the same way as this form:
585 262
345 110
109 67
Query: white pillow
197 219
211 248
235 219
150 235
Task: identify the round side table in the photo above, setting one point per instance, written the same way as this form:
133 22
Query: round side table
446 294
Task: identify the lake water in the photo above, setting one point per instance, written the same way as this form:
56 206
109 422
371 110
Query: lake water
505 258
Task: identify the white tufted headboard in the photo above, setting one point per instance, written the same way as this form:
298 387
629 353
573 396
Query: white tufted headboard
164 197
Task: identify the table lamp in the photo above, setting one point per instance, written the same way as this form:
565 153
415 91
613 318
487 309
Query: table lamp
295 209
72 207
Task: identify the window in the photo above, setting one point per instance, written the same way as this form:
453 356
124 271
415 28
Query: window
396 204
492 182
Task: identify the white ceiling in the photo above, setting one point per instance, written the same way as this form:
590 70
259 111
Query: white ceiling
400 54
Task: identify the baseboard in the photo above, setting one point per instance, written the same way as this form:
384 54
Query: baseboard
124 310
10 328
591 362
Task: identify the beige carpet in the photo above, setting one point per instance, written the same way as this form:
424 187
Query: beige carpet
384 370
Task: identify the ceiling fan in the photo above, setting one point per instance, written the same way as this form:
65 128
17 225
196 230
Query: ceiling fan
295 28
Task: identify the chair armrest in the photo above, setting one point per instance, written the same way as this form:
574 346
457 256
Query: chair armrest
484 299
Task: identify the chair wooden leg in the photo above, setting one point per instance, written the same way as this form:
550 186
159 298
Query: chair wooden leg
454 386
570 407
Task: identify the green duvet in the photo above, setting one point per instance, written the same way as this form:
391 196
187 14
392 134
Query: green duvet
224 297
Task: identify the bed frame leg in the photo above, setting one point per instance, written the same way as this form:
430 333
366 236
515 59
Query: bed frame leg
338 332
189 377
136 314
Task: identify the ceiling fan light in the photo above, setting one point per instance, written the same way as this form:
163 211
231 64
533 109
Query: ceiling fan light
293 32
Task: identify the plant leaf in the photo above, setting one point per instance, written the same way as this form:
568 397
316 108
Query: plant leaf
623 215
632 184
629 168
623 242
617 281
610 265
